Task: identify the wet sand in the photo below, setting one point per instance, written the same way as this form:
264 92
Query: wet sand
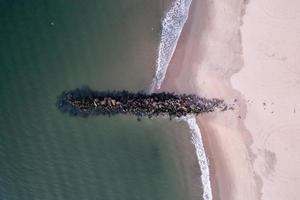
245 53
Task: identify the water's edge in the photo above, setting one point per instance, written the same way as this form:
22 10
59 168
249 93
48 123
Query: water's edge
202 158
172 25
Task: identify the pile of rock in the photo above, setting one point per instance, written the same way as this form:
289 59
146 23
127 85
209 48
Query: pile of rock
84 102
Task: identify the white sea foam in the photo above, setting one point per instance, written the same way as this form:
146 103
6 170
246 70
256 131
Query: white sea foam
203 161
172 25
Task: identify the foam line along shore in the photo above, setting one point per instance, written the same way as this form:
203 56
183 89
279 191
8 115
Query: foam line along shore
172 26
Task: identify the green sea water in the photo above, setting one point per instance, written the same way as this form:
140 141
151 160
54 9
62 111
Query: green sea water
47 46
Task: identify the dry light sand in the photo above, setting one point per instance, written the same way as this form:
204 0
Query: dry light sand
270 84
247 54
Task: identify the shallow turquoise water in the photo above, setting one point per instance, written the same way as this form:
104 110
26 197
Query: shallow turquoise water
50 46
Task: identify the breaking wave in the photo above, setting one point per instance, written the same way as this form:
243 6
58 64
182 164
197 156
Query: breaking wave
172 25
202 159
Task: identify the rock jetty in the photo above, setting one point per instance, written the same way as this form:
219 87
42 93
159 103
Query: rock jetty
85 102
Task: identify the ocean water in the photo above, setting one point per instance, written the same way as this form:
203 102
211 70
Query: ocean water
52 45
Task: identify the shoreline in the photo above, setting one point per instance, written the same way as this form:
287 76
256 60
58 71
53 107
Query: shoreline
173 26
184 152
181 58
205 67
249 58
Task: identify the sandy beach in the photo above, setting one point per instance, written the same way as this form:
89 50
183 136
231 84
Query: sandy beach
245 53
